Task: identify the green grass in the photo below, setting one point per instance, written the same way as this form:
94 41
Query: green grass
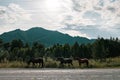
50 63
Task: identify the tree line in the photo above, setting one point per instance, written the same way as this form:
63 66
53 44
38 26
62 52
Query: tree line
100 49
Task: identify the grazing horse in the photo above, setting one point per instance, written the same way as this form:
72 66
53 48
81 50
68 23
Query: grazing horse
65 60
82 60
36 61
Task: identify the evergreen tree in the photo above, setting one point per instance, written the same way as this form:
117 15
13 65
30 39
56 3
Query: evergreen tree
75 50
66 50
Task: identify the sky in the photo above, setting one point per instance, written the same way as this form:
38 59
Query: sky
85 18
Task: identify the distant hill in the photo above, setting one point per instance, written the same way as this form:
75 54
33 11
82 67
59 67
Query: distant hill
43 36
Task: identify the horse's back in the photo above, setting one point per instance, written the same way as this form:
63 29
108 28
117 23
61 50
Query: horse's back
36 60
39 60
65 60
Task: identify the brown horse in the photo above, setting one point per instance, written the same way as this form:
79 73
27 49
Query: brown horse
36 61
65 60
82 60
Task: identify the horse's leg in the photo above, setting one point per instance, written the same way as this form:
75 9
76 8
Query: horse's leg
39 64
79 63
87 63
33 64
61 63
71 63
42 64
28 64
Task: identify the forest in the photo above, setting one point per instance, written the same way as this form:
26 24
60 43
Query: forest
101 50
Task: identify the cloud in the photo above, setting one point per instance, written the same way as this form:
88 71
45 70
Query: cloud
112 9
76 6
101 14
75 33
13 13
2 11
92 15
92 31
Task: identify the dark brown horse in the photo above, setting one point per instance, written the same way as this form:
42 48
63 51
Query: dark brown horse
36 61
65 60
82 61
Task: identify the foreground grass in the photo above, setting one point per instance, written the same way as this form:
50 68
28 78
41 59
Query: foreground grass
109 63
13 64
50 63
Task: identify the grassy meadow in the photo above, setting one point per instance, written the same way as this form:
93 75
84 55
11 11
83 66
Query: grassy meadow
50 63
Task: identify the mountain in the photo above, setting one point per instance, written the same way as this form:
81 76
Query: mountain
43 36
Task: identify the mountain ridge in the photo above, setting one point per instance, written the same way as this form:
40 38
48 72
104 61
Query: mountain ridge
46 37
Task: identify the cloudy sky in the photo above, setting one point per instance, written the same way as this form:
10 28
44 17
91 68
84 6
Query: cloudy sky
86 18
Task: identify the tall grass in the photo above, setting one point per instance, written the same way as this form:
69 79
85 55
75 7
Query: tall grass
13 64
50 63
108 63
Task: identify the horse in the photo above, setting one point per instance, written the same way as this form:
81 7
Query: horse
65 60
82 60
36 61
